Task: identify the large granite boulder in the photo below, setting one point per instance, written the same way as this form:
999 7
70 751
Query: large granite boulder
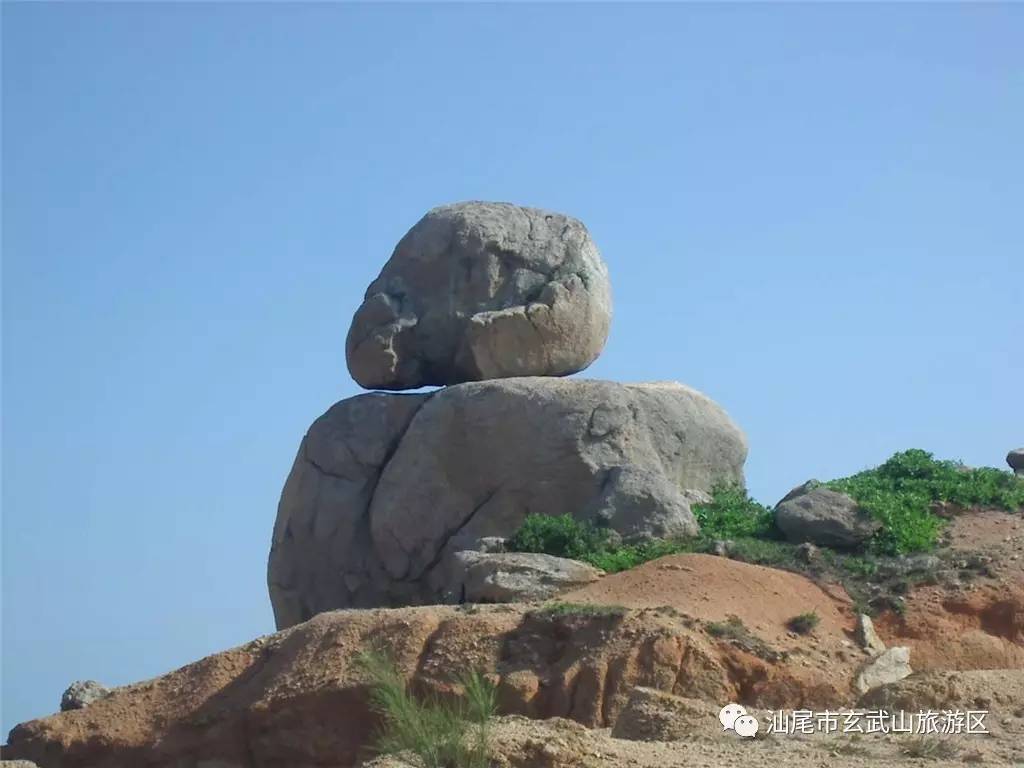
387 488
480 291
813 513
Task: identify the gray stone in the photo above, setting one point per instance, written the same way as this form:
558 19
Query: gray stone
1015 459
81 694
478 291
888 667
824 517
807 553
643 504
491 544
322 553
905 565
17 764
387 488
516 577
723 547
866 637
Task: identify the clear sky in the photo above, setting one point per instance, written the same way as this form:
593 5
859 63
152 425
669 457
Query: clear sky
812 213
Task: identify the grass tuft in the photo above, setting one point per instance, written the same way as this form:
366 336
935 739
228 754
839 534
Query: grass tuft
930 748
442 734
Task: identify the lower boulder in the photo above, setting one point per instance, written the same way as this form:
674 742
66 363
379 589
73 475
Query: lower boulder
386 489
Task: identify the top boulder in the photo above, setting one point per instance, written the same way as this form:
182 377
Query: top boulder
478 291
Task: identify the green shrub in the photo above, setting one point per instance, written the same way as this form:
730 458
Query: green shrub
441 734
900 492
622 557
561 536
733 514
769 552
732 628
805 623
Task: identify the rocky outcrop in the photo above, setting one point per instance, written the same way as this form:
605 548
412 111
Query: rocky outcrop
387 488
299 698
81 694
517 577
813 513
480 291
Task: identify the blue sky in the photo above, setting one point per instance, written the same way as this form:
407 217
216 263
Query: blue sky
810 212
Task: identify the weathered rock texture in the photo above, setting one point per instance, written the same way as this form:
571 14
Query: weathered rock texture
867 638
81 694
480 291
386 488
518 577
889 666
822 516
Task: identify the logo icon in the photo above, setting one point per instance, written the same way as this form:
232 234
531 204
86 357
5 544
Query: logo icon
734 717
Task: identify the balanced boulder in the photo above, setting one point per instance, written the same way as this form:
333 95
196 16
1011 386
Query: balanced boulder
386 489
479 291
813 513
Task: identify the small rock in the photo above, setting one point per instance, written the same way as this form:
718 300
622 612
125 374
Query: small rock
81 694
905 565
888 667
1015 459
866 635
491 545
946 509
806 552
513 577
723 547
811 513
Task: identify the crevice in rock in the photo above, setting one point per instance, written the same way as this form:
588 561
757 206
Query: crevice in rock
449 535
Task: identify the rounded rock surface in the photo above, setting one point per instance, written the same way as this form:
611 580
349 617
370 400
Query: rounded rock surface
81 694
478 291
387 488
1015 459
813 513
